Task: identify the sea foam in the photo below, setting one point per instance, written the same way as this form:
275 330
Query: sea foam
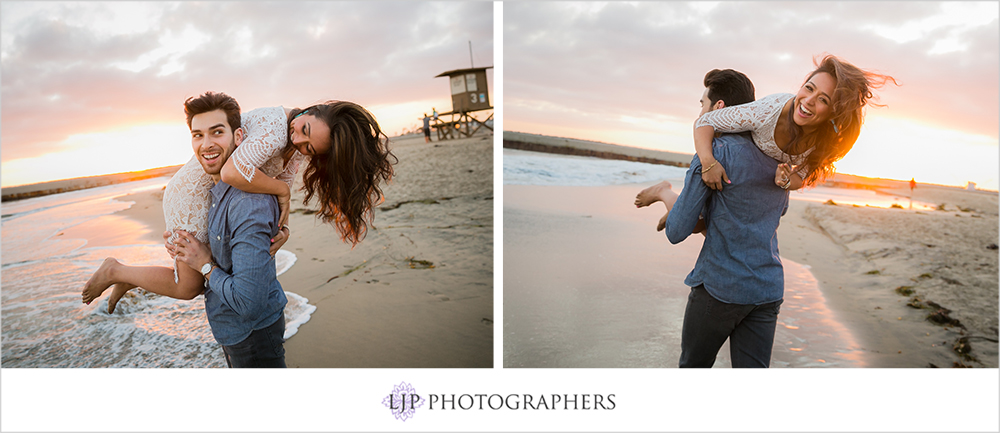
46 325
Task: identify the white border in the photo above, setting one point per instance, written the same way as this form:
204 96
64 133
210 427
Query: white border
646 399
498 185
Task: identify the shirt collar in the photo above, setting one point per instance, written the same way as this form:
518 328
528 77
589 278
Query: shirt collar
219 190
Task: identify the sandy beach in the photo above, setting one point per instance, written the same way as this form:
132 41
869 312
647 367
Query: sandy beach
586 281
418 291
885 271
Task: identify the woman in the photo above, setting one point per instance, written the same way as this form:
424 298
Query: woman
809 130
348 157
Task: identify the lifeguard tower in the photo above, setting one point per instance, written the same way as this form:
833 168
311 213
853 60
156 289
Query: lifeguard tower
469 94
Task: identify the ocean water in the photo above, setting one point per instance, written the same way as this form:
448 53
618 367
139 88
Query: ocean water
43 271
534 168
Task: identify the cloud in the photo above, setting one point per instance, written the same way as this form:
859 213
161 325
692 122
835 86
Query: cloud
607 61
77 68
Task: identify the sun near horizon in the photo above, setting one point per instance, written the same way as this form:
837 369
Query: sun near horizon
146 146
888 148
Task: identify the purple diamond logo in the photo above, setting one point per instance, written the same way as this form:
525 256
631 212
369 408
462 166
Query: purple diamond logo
403 401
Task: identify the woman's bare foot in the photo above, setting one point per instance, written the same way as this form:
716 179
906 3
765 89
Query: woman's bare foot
100 281
663 222
652 194
116 295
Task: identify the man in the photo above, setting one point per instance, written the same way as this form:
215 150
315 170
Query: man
723 88
427 128
737 283
243 299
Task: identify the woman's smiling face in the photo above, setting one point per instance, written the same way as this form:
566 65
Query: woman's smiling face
814 101
310 135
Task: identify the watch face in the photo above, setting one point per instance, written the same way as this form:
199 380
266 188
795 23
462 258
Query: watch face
206 268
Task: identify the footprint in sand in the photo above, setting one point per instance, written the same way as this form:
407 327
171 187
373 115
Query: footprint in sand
439 296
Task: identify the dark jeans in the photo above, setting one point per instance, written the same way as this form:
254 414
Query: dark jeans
708 322
264 348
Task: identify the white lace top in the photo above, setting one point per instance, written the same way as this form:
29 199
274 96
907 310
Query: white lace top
266 132
760 118
187 198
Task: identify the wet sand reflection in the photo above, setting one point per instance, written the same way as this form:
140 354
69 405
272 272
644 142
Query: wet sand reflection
808 333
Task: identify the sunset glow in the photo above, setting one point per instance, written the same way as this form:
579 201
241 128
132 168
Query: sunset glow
91 88
133 149
905 148
631 74
887 148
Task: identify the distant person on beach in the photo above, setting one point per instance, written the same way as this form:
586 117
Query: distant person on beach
913 184
427 128
348 158
434 113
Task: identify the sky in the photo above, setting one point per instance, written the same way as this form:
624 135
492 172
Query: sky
631 73
92 88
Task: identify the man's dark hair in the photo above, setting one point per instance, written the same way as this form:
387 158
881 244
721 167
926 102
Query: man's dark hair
212 101
732 87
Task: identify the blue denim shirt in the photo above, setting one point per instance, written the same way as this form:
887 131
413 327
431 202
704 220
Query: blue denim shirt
243 293
739 262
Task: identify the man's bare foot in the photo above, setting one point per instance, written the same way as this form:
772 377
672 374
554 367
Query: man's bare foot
663 222
116 295
100 281
652 194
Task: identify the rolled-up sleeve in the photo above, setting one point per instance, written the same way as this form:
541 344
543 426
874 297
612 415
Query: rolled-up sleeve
252 228
689 205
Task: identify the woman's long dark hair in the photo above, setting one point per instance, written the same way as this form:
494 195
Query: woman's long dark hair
346 180
852 92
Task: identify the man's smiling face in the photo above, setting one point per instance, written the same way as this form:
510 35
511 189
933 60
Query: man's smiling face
213 140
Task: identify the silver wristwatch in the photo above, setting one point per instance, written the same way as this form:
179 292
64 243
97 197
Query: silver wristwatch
207 268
